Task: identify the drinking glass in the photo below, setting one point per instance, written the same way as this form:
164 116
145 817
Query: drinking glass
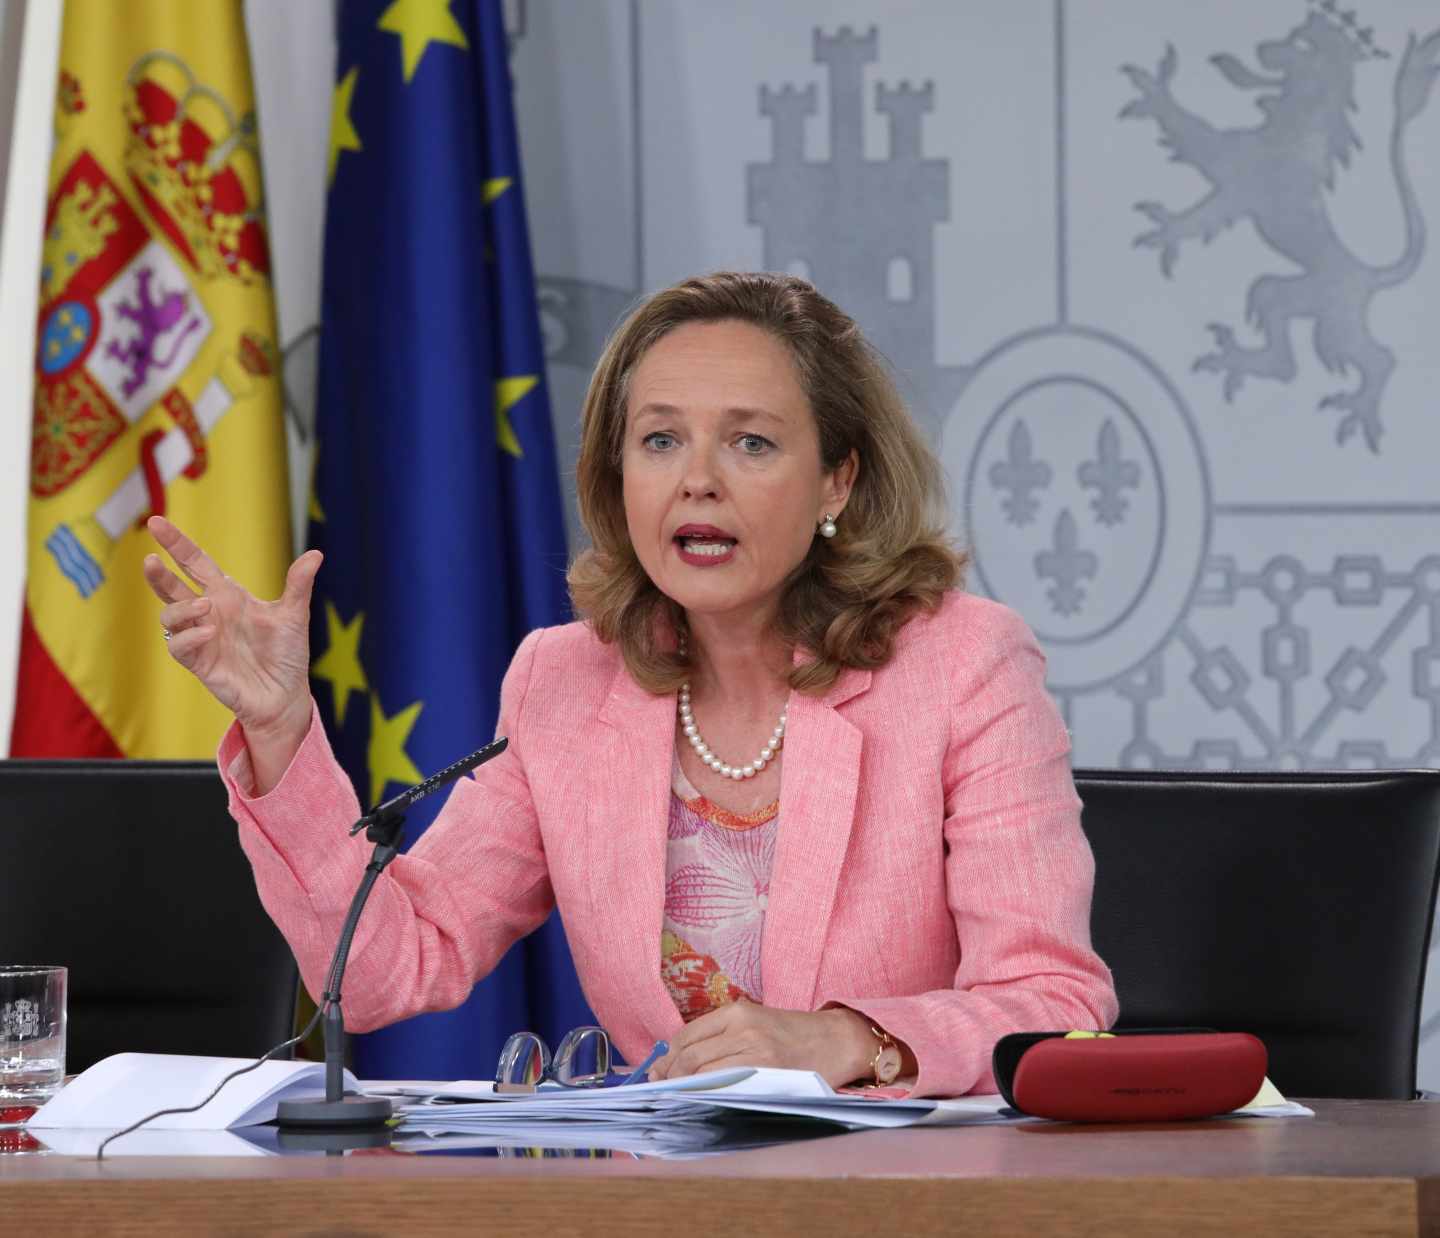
32 1038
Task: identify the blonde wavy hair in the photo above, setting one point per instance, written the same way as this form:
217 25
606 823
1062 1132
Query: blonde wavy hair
849 597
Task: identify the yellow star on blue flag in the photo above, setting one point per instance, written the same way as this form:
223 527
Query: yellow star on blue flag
420 23
342 129
508 393
386 755
340 665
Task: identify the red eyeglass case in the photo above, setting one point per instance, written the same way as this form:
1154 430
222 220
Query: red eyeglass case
1140 1075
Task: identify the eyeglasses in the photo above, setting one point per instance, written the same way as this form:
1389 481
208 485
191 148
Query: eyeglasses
582 1061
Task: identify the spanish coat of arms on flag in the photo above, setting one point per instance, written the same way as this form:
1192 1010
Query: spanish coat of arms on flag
156 372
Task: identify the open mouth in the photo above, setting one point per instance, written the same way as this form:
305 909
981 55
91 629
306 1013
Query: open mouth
706 547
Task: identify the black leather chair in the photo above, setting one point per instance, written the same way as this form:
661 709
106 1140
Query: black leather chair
1294 906
129 873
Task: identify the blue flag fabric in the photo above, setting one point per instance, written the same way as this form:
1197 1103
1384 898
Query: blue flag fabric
436 492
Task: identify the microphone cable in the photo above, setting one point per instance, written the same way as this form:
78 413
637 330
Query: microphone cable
234 1074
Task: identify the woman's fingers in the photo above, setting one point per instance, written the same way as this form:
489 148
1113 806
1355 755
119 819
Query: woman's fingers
185 646
180 615
164 584
193 561
726 1061
683 1044
300 579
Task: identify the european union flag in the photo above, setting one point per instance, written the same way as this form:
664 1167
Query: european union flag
436 490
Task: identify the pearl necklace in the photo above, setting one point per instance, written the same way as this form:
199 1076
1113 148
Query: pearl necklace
702 749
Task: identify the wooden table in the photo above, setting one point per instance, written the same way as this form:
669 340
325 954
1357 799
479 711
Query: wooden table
1357 1168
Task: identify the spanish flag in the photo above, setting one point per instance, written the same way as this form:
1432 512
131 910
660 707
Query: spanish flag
157 382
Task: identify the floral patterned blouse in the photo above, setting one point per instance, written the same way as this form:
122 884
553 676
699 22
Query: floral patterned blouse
717 885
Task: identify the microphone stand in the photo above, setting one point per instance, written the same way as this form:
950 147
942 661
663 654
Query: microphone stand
384 826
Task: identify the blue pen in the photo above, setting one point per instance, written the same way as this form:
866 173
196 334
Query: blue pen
662 1047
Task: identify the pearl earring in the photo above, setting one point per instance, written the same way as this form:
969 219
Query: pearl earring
827 526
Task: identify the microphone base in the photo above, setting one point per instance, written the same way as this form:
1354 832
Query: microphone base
333 1140
349 1112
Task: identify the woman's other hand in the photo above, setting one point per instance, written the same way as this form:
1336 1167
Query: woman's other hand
252 655
837 1044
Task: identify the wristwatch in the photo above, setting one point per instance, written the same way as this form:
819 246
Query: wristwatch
886 1063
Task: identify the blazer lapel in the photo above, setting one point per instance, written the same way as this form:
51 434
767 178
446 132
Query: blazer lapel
817 810
627 790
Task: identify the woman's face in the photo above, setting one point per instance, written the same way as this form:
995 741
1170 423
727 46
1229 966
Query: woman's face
722 476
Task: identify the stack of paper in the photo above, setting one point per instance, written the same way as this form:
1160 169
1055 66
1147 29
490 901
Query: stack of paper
772 1092
473 1107
670 1139
466 1104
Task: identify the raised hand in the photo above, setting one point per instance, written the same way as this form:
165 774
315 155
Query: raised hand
252 655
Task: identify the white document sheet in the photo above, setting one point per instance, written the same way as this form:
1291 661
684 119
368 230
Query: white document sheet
76 1141
124 1088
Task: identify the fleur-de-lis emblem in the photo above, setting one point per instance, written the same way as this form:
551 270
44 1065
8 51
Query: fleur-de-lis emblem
1066 564
1020 474
1108 474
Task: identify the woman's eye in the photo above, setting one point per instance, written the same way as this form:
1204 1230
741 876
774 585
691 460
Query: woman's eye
754 444
659 440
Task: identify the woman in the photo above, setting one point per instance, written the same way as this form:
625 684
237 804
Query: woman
799 800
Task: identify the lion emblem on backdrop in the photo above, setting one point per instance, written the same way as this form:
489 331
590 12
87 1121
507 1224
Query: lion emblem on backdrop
1277 175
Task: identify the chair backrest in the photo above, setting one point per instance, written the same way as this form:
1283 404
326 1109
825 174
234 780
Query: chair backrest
1295 906
130 874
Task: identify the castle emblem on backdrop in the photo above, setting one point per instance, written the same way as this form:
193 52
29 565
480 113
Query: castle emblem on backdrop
859 227
862 228
1277 176
122 320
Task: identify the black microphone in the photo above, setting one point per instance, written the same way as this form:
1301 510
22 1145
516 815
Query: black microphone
392 808
383 826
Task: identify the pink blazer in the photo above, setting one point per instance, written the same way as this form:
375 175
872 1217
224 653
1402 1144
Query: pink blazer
930 871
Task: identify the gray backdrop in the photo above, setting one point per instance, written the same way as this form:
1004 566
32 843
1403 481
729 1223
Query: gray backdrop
1151 276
